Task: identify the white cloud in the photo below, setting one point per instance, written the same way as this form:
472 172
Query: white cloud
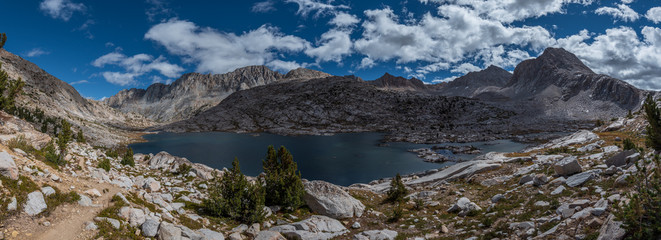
654 15
460 34
333 46
262 7
79 82
62 9
36 52
306 7
621 53
284 66
627 1
366 63
508 11
122 79
135 66
218 52
622 12
465 68
344 20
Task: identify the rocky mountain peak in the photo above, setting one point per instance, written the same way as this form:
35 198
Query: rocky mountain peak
474 83
304 73
389 81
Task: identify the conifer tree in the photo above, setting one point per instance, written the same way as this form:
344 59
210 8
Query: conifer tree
283 180
128 159
654 118
63 139
80 137
236 198
3 39
397 191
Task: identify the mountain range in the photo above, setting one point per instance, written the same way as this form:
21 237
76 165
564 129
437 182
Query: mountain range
550 93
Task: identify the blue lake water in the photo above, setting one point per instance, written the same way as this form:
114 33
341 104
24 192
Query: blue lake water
341 159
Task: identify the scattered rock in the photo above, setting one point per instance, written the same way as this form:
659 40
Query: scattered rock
464 206
567 166
330 200
315 227
355 225
113 222
497 198
47 191
13 205
384 234
151 185
622 158
150 228
8 166
235 236
93 192
580 178
85 201
558 190
168 231
35 203
90 226
539 180
525 179
269 235
611 230
210 235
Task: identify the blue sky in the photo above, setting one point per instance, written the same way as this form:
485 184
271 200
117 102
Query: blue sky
101 47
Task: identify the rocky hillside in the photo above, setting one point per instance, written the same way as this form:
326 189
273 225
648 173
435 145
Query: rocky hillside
349 104
102 124
560 85
391 82
564 189
474 84
193 92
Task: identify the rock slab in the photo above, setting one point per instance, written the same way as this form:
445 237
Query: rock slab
330 200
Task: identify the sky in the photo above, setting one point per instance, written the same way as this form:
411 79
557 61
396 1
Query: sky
102 47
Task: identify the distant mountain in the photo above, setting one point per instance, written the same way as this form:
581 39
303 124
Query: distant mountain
560 85
102 124
193 92
349 104
388 81
475 83
554 92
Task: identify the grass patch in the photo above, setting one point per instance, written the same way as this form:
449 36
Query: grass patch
59 198
190 223
132 197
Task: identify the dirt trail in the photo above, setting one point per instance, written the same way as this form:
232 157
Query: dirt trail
72 218
67 221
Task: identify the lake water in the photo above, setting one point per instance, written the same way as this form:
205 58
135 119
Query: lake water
341 159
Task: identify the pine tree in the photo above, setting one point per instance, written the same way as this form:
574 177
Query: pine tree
63 139
236 198
80 137
3 39
283 180
654 118
128 159
397 192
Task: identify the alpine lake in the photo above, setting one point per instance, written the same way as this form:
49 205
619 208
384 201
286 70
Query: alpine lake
342 159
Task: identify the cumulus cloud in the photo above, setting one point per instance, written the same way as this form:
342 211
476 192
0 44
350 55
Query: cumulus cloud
622 12
36 52
654 15
62 9
305 7
465 68
333 46
461 33
343 19
262 7
508 11
218 52
135 66
621 53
